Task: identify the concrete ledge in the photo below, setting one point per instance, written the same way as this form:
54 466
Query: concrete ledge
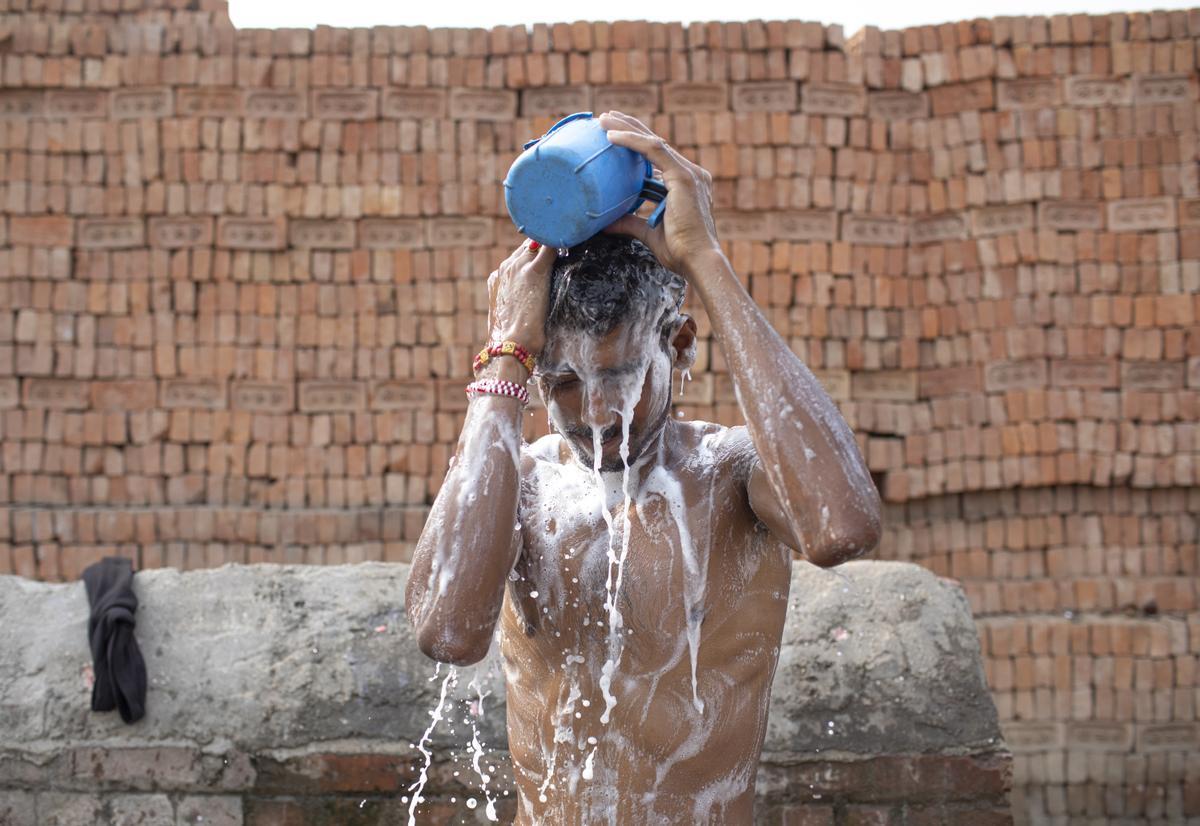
271 684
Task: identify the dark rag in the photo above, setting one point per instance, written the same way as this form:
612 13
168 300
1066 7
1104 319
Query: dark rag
116 659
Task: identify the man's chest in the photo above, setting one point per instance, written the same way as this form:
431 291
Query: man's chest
662 567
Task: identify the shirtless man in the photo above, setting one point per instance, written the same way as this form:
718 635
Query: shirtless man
638 565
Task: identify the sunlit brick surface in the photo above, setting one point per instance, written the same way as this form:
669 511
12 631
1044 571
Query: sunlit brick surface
242 278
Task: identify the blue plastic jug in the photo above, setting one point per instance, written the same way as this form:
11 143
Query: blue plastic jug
572 182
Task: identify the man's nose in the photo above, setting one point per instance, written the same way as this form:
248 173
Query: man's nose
598 412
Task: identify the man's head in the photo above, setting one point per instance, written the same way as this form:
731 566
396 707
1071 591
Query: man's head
614 333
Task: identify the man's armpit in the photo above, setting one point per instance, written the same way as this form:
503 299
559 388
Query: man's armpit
769 510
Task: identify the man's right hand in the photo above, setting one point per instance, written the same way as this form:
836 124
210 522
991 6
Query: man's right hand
519 297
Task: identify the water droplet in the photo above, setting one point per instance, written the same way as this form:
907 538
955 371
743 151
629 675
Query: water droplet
471 803
533 594
361 804
564 252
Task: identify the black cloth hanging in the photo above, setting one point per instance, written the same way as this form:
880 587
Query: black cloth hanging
116 659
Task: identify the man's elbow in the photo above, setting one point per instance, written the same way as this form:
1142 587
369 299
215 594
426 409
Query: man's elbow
847 543
451 645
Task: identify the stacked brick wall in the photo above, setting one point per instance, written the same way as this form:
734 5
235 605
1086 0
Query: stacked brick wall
241 280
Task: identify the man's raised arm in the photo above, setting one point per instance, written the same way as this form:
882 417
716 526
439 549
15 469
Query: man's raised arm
809 485
469 544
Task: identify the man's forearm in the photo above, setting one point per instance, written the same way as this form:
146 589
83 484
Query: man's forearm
805 446
468 544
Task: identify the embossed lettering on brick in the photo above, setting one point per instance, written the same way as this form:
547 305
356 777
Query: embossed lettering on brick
695 97
21 103
318 233
1098 91
873 229
41 230
207 394
1032 736
142 103
76 103
460 232
263 396
1000 376
112 233
626 97
1028 93
251 233
1189 212
57 394
948 226
274 103
897 105
1070 215
403 394
771 96
345 104
1157 737
1099 373
805 225
884 385
1151 89
555 100
842 99
450 396
10 393
125 394
948 381
483 104
1097 735
1152 375
835 382
750 226
328 396
179 232
1137 214
998 220
391 233
414 103
208 102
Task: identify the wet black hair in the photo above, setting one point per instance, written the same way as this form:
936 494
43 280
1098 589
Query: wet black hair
608 280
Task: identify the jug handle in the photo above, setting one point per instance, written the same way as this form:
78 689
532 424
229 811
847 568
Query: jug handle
550 131
652 190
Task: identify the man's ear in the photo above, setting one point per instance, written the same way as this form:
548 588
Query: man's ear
683 344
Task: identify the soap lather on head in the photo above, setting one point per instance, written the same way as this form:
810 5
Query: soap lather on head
614 333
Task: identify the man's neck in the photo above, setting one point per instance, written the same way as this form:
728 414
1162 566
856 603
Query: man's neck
657 451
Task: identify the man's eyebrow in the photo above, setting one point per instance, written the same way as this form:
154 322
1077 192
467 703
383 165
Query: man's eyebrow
556 371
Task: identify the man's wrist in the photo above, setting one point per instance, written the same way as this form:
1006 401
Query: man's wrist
705 267
506 368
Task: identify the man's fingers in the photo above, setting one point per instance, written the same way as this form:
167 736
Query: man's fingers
653 147
637 227
625 121
543 257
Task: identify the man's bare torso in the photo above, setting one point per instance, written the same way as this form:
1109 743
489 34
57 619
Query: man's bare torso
683 741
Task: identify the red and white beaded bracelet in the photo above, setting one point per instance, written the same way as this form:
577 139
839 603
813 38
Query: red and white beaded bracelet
498 387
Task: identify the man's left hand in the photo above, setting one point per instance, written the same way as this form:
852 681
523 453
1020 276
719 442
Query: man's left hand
687 233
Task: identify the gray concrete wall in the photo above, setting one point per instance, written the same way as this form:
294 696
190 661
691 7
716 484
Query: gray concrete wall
877 659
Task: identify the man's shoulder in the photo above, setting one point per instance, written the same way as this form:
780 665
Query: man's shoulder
723 441
546 448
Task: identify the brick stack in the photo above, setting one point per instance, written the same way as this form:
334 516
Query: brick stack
241 281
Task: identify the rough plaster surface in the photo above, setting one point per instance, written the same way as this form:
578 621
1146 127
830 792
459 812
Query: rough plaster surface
272 657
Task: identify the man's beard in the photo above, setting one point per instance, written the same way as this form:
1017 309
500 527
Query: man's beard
584 447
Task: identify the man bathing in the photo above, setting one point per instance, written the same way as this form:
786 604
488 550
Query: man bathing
638 565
